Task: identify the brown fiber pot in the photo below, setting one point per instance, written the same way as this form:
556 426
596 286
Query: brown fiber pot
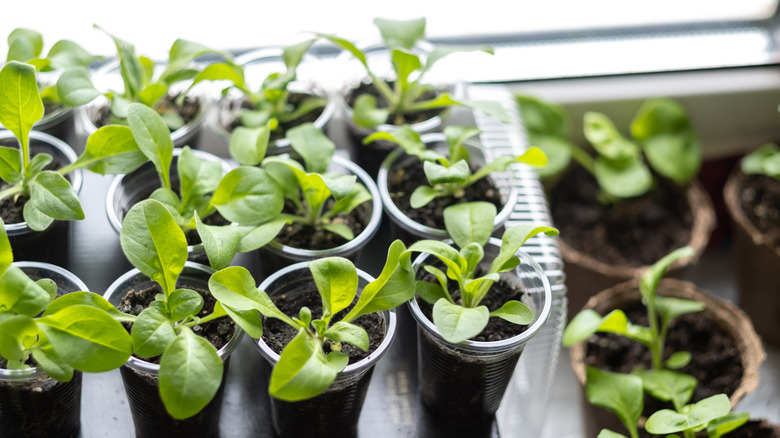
586 276
757 266
724 313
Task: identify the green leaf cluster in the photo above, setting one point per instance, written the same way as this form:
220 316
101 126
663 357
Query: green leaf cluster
405 95
450 175
470 225
271 105
763 161
662 140
304 370
246 196
77 331
108 150
75 85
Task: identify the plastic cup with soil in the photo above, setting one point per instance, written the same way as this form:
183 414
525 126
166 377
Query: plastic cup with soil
606 244
127 190
297 243
193 108
726 351
131 293
335 412
257 65
51 245
464 383
753 202
400 174
33 404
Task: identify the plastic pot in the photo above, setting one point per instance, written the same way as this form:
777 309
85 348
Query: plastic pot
258 64
141 379
32 404
127 190
464 383
409 230
275 256
336 411
51 245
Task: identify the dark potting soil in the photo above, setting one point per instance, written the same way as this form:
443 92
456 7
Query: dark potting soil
193 238
715 363
759 198
277 334
298 235
12 207
218 332
231 120
755 429
402 181
188 110
633 232
381 102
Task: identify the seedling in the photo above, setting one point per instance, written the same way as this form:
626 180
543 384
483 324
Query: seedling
405 94
109 150
304 370
450 175
247 196
459 318
271 105
763 161
660 312
309 186
75 86
79 330
661 131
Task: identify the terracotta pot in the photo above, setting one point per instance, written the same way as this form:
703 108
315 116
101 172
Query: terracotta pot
758 265
723 313
586 275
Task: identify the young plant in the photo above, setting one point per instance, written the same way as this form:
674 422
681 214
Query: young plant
309 186
662 136
190 367
109 150
247 196
660 312
79 330
450 175
459 318
304 370
405 94
26 45
763 161
75 86
271 107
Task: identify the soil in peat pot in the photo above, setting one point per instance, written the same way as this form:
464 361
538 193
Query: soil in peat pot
408 118
633 232
403 180
716 363
759 198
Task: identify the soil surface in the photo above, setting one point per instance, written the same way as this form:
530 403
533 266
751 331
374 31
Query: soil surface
298 235
12 207
230 119
633 232
716 363
402 181
218 332
277 334
759 198
381 102
188 110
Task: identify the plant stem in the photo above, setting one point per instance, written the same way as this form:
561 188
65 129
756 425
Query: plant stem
583 158
11 191
655 344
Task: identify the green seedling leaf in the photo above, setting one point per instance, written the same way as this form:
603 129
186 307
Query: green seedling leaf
235 288
248 195
339 186
183 303
764 160
346 45
111 150
440 52
66 54
671 307
404 136
222 71
515 312
606 433
543 118
366 114
727 423
20 103
6 253
532 157
456 135
667 421
220 242
668 386
678 360
36 220
405 63
154 243
248 145
339 229
16 331
358 194
581 327
447 254
74 87
253 238
153 138
648 284
607 140
619 393
24 45
342 331
313 146
337 280
470 222
197 177
152 93
623 180
675 156
557 151
86 299
53 196
87 338
457 323
10 165
430 292
131 69
422 195
190 375
51 364
152 331
20 294
37 164
514 237
249 320
401 33
438 174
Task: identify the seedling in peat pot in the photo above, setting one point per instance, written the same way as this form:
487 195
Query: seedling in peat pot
450 175
405 95
763 161
470 225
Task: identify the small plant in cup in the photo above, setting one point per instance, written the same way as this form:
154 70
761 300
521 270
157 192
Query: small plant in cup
763 161
450 175
460 316
406 93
